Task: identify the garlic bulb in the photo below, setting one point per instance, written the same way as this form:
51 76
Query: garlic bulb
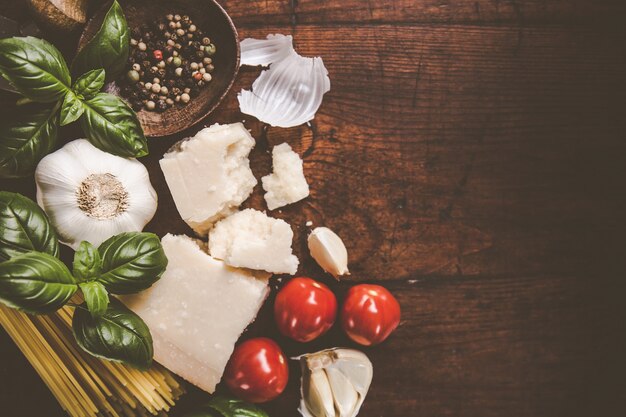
291 91
334 382
92 195
328 251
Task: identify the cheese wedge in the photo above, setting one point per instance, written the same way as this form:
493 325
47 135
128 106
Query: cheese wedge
197 311
209 174
251 239
286 184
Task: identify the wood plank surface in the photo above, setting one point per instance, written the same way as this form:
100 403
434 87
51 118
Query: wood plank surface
471 155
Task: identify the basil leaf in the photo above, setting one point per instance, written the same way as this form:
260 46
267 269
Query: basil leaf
24 227
219 406
96 297
71 109
35 68
35 282
118 335
86 266
90 83
26 138
108 48
131 262
113 126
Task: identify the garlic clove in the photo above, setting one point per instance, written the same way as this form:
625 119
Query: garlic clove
265 51
319 396
348 374
345 396
92 195
329 251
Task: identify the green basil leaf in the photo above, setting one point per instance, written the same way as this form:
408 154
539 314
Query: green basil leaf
131 262
24 227
87 263
35 282
90 83
220 406
108 48
71 109
35 68
27 137
118 335
96 297
112 126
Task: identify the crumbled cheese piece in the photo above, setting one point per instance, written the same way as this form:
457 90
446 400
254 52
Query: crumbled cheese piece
286 184
209 174
197 311
251 239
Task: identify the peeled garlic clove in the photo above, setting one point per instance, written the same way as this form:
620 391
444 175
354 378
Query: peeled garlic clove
329 251
347 377
92 195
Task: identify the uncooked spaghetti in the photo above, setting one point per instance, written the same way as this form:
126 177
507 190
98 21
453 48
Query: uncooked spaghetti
86 386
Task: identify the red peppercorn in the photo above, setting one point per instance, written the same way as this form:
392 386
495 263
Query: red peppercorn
157 54
197 76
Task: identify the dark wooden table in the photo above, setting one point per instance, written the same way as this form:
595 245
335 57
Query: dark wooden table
473 155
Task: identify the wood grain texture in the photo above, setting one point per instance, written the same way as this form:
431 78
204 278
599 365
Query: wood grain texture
517 12
474 164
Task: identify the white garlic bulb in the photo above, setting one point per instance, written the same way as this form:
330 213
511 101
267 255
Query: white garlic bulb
92 195
334 382
328 251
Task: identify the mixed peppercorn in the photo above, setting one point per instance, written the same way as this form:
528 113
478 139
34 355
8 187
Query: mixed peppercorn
170 60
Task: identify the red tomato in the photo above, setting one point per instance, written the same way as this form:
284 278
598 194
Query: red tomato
304 309
257 371
369 314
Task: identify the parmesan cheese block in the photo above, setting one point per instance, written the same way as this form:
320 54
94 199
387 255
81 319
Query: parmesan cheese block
251 239
197 311
286 184
209 174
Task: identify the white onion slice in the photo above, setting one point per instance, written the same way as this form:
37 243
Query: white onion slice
291 91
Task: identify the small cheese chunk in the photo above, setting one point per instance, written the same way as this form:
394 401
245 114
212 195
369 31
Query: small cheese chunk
197 311
286 184
209 174
251 239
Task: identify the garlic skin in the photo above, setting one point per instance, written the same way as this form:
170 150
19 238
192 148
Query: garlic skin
290 92
92 195
329 251
334 382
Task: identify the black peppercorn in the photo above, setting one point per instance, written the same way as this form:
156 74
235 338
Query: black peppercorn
141 56
161 106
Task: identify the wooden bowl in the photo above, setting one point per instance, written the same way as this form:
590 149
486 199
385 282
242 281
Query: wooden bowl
209 16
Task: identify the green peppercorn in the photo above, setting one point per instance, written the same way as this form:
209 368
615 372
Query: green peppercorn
177 62
210 49
133 76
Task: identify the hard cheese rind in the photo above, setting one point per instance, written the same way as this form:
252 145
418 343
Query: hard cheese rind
197 311
286 184
251 239
209 174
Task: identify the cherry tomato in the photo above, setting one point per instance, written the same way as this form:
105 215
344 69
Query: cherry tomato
257 371
304 309
369 314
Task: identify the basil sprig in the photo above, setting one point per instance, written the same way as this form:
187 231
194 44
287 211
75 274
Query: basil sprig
118 335
219 406
39 72
34 280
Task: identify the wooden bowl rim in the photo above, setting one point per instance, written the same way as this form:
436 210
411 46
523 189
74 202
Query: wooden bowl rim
82 40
